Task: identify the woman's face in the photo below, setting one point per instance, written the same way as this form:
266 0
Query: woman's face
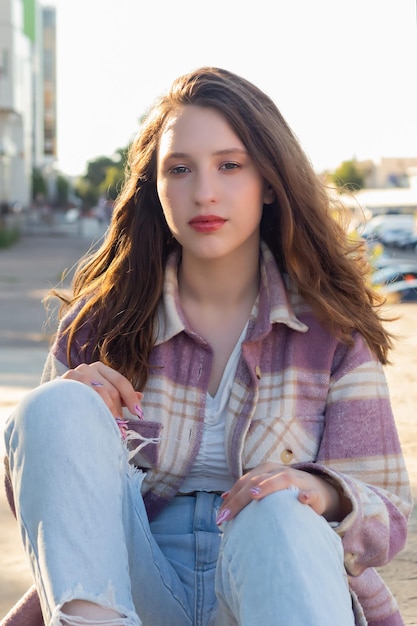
211 193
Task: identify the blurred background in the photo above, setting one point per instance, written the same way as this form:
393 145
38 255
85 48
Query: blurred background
77 78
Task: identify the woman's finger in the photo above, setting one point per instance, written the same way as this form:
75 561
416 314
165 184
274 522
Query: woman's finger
113 387
313 499
128 397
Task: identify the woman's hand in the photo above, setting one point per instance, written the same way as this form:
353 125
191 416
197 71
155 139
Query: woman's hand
114 388
267 478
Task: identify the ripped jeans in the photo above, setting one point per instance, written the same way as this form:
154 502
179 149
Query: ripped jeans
85 529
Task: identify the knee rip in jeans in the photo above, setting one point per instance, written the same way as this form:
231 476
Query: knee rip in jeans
69 620
103 601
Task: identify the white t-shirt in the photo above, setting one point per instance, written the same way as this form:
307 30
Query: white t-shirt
210 471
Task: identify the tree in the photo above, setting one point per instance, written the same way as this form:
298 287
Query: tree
62 190
87 193
103 178
112 184
39 185
96 170
348 176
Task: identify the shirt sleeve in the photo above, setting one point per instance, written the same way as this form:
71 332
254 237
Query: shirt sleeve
52 368
361 452
57 360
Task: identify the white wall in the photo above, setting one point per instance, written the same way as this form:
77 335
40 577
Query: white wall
16 109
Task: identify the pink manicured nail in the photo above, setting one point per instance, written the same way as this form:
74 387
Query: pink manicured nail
122 424
95 383
139 411
255 491
223 516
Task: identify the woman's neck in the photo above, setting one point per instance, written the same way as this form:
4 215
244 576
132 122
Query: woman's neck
217 297
225 282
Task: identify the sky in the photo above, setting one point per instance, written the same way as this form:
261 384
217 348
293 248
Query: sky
342 72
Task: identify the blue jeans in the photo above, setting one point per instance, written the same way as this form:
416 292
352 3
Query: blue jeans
85 529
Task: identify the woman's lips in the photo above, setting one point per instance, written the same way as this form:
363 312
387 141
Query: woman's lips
207 223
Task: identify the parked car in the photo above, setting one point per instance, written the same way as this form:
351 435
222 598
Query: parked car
401 291
394 273
394 237
388 228
408 242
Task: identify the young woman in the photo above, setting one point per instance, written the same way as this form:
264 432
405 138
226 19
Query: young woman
213 442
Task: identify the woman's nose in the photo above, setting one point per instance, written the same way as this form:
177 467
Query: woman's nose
204 188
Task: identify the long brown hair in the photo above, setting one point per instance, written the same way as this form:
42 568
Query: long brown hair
119 286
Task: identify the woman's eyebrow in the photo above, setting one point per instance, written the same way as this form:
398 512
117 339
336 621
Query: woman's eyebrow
231 151
175 155
223 151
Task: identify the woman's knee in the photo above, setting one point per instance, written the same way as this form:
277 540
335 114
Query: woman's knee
279 518
280 508
56 408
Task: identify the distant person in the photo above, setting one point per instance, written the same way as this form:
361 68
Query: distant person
213 441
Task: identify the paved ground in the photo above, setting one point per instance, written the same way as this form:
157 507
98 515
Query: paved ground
36 263
27 271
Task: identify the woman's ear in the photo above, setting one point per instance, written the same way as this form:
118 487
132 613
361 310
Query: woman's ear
269 195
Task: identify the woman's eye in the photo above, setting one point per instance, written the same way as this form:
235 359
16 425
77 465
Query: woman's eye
230 166
179 169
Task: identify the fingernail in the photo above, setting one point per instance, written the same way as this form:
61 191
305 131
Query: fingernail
122 424
95 383
255 491
139 411
225 494
223 516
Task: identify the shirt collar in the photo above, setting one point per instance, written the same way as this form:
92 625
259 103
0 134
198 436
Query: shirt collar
278 295
277 300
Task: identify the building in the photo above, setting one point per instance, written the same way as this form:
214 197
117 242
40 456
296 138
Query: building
387 171
49 85
27 114
369 202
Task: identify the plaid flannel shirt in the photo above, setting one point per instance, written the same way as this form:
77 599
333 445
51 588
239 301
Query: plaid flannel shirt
300 397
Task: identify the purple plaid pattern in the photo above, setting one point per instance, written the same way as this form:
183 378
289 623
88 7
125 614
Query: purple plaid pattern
299 397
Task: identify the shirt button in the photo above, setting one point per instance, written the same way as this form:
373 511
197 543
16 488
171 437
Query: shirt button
286 456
